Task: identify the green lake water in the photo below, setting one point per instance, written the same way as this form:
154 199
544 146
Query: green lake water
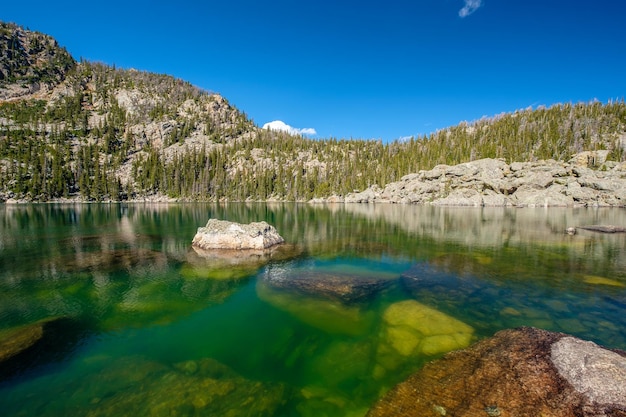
142 325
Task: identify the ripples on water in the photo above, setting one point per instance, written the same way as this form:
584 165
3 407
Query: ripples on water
140 324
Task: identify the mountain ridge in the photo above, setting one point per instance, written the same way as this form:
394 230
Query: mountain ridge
86 131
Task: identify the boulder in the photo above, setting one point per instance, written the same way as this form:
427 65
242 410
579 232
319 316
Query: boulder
18 340
221 234
590 158
534 196
461 197
139 386
333 285
517 372
413 328
368 195
328 315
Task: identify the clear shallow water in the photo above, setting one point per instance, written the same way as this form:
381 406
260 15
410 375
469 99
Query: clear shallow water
151 328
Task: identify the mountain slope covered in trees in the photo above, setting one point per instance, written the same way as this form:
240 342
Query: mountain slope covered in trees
89 131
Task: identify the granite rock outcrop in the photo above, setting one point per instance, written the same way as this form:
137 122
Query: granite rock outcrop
495 183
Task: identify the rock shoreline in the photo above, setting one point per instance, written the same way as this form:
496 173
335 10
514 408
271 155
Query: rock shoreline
481 183
494 183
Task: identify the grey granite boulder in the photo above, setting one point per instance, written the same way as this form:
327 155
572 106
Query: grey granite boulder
221 234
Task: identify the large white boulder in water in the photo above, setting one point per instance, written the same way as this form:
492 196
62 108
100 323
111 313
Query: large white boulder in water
221 234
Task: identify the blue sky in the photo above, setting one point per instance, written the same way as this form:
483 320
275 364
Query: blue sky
356 69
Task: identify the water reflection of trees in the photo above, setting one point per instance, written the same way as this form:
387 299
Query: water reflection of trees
127 234
95 251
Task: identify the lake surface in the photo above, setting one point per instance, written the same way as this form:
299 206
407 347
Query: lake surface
145 326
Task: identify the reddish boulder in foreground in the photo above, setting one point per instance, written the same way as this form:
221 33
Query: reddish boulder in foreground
518 372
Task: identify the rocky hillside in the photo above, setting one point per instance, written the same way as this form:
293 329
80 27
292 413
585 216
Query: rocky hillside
30 62
89 131
495 183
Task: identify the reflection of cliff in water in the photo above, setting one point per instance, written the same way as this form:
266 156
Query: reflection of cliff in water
62 230
475 239
489 226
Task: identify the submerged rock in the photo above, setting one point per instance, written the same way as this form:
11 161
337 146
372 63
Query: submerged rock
18 340
331 316
414 328
37 344
519 372
137 386
221 234
344 287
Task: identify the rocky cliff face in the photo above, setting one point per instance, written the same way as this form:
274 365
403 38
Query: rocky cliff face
493 182
115 117
30 62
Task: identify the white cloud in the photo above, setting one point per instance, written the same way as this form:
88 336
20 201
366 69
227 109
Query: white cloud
470 7
281 126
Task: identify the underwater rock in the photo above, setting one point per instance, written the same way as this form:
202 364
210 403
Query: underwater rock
221 234
224 264
38 344
341 286
136 386
430 281
341 363
597 280
517 372
18 340
330 316
412 328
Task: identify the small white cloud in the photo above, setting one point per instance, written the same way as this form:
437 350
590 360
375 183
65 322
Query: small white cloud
281 126
470 7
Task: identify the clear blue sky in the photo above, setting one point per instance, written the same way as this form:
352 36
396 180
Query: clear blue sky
360 69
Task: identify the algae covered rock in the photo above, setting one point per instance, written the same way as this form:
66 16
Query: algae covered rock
31 345
330 316
343 287
333 283
20 339
411 332
14 341
414 328
137 386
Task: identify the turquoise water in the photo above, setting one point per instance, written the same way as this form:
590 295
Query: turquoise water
143 325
